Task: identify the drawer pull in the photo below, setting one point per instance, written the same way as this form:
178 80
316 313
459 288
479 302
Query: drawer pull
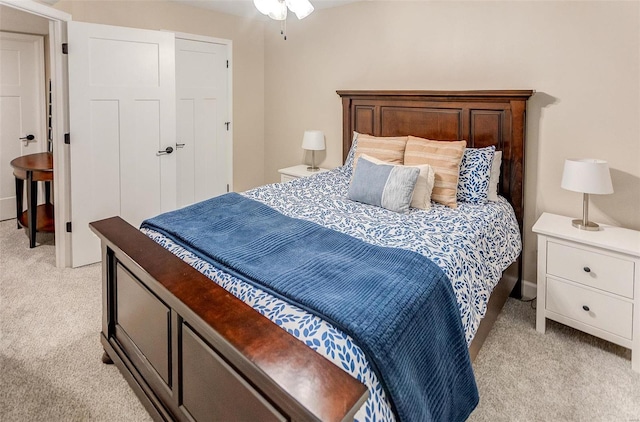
587 269
585 307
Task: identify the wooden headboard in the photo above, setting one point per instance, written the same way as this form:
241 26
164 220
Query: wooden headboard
482 118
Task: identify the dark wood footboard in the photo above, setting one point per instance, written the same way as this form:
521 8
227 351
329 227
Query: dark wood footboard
192 351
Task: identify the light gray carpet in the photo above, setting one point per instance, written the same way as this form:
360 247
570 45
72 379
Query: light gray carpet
50 352
562 375
50 367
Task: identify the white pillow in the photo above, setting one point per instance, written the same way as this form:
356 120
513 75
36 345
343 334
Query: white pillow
424 185
495 176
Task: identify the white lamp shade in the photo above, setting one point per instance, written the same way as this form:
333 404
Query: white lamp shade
302 8
265 6
278 12
277 9
587 175
313 140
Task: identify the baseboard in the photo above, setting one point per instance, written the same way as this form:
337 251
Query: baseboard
529 289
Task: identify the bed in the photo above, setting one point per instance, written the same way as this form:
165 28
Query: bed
181 340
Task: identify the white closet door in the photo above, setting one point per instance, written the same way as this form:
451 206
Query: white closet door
22 103
204 165
122 113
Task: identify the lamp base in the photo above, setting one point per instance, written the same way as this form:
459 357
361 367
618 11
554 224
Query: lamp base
313 168
589 225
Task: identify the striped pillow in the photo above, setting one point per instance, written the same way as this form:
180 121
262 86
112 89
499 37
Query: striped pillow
388 149
444 157
424 185
383 185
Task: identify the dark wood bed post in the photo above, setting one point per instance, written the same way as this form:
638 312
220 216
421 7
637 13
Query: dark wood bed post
518 116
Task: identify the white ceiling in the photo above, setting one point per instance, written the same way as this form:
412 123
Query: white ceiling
245 8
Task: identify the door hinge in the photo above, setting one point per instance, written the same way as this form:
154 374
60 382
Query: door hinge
227 188
68 226
227 64
227 124
67 139
65 48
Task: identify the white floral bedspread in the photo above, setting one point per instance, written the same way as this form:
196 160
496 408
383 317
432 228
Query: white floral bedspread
472 244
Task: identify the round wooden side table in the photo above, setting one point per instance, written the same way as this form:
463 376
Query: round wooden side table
34 168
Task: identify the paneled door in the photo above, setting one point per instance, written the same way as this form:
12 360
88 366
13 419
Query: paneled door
122 113
203 145
22 108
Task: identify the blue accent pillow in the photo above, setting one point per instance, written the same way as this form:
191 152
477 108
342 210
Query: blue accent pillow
475 173
383 185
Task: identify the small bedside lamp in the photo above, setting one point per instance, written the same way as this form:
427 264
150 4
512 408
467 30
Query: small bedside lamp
313 140
587 176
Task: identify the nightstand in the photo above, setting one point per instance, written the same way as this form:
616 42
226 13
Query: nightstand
290 173
590 280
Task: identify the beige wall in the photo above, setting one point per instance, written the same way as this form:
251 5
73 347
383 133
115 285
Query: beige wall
582 58
248 64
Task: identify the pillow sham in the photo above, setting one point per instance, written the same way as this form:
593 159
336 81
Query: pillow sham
348 162
475 174
444 157
421 197
389 149
383 185
492 195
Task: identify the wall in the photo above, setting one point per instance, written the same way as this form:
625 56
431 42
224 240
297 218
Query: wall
248 64
582 58
14 20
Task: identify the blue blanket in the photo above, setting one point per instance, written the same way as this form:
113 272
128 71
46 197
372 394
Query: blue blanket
398 306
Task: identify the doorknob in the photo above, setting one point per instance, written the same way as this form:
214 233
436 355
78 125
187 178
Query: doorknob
27 139
167 150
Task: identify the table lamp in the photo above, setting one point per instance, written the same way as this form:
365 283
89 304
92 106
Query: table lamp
589 176
313 140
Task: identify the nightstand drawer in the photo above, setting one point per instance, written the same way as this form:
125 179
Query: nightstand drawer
286 178
604 312
600 271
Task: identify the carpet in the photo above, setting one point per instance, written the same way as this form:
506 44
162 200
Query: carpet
51 368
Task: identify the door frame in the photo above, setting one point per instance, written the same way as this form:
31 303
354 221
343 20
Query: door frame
229 44
60 118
